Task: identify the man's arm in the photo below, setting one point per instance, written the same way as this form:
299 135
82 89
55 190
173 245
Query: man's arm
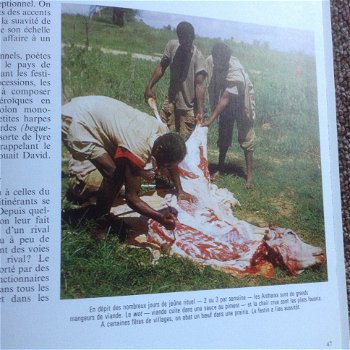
181 194
222 104
113 179
132 190
200 93
157 74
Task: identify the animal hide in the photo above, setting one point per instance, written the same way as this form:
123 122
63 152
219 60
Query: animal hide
208 232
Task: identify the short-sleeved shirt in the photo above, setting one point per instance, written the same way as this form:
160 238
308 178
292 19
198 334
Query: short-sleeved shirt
183 71
233 77
101 124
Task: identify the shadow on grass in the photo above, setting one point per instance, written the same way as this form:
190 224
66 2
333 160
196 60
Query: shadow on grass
231 168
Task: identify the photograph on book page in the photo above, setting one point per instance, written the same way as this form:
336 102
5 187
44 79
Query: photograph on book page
249 211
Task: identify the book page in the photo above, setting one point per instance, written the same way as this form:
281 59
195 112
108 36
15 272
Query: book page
63 287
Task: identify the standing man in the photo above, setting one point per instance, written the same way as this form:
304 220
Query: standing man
119 141
232 97
184 105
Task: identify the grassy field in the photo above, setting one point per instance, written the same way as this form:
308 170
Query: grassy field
287 175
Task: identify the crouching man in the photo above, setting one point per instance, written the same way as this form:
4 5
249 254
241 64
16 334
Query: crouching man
119 141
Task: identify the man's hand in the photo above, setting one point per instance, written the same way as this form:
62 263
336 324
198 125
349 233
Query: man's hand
168 217
199 118
149 94
206 123
184 196
148 175
168 221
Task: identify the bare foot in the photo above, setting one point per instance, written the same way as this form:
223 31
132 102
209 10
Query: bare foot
215 176
98 233
76 216
249 185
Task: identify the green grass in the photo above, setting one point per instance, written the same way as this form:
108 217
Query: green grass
287 175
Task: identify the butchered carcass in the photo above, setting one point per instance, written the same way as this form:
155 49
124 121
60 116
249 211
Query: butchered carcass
293 254
208 232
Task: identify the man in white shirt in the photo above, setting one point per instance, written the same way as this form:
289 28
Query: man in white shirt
119 141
